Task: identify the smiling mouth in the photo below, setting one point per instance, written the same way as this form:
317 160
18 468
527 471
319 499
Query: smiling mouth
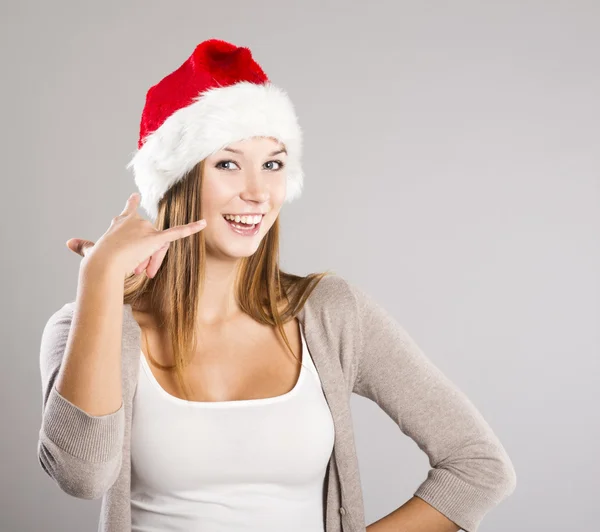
244 229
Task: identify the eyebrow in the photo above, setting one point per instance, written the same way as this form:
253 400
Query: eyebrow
283 150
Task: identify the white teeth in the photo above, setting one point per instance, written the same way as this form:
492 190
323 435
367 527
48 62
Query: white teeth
244 219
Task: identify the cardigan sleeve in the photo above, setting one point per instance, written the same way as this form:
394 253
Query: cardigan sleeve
470 469
80 452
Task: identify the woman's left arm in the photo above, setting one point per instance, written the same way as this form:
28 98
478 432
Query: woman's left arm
415 515
470 470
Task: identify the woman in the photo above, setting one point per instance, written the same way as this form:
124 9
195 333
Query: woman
212 391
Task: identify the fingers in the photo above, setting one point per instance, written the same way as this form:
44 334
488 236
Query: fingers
156 260
141 267
181 231
132 204
152 263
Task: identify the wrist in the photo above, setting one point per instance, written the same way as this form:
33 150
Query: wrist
97 267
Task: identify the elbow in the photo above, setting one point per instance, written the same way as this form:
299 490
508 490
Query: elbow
89 482
82 453
503 472
89 489
508 480
499 479
488 470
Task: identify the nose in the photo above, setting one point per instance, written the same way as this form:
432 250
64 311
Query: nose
256 187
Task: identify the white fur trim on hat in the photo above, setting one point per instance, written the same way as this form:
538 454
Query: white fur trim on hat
214 119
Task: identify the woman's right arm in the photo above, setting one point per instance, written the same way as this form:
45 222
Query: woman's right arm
81 437
83 418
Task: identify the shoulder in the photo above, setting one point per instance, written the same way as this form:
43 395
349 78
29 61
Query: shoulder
341 299
63 315
335 286
334 294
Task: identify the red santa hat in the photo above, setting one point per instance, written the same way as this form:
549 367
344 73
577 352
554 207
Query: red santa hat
219 95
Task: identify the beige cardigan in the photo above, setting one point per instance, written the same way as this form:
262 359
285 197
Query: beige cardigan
356 347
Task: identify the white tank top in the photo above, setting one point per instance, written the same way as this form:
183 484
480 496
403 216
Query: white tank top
252 465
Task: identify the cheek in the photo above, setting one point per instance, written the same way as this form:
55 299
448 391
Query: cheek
215 188
215 195
278 189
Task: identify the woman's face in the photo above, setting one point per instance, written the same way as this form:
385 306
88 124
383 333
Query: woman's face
248 176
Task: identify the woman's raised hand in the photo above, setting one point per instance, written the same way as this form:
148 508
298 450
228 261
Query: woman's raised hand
132 244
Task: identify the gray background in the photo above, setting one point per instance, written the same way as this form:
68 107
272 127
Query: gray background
452 171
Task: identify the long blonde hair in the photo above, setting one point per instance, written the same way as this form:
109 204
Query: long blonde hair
172 295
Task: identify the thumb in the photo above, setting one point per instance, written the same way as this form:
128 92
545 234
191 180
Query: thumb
79 245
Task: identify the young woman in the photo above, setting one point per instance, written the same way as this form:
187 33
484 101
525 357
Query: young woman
194 385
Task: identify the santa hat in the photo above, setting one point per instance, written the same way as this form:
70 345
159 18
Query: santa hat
219 95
